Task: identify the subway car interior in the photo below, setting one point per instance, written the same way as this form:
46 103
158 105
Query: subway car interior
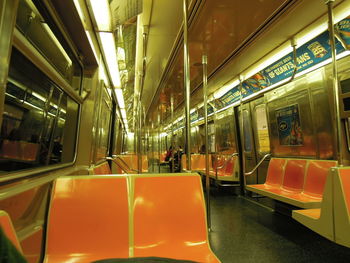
174 131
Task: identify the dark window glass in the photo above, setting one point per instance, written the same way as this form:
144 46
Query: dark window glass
37 117
345 86
346 102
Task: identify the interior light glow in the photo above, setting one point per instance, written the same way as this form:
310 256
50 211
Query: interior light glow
57 43
267 61
108 46
88 34
123 114
220 92
80 12
101 11
38 96
120 98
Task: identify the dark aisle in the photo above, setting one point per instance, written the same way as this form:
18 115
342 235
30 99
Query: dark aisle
243 231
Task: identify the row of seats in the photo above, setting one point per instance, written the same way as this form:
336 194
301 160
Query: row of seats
222 167
19 150
120 216
332 219
298 182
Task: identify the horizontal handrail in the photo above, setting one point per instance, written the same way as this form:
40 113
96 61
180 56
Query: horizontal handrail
259 163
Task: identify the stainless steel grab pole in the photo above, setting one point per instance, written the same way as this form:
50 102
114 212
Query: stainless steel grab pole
205 102
187 83
338 136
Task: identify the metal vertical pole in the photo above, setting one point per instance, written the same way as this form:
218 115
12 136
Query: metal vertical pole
159 142
205 102
338 137
242 133
172 132
139 141
187 83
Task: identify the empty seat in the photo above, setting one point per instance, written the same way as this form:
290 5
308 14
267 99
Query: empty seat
298 182
342 206
88 219
170 219
102 168
319 220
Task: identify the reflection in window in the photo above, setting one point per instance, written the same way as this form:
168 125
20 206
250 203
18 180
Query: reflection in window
34 27
36 113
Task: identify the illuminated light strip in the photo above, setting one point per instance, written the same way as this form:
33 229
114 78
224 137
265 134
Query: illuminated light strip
101 11
266 62
88 34
80 12
120 98
108 46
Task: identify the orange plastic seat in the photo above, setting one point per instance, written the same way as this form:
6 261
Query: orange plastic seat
102 168
29 151
275 172
88 219
294 175
6 224
316 177
342 206
285 181
170 219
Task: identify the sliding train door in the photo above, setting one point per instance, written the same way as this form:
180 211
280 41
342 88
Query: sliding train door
247 143
255 142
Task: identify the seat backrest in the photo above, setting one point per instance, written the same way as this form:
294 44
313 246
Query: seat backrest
344 175
169 215
294 174
316 176
93 210
275 171
102 168
230 165
6 224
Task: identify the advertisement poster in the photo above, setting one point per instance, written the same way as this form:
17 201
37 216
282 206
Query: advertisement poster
261 125
289 127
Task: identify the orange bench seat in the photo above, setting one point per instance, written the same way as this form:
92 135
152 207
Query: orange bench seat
298 182
95 217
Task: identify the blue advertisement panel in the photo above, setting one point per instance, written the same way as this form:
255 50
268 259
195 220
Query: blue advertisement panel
343 27
289 128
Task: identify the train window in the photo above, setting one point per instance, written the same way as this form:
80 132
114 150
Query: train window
39 121
347 130
346 102
345 86
104 125
262 129
225 132
34 27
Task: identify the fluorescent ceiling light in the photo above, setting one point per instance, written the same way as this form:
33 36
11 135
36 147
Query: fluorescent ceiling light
101 11
120 98
108 46
57 43
88 34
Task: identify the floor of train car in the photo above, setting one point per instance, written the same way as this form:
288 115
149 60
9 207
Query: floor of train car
244 231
